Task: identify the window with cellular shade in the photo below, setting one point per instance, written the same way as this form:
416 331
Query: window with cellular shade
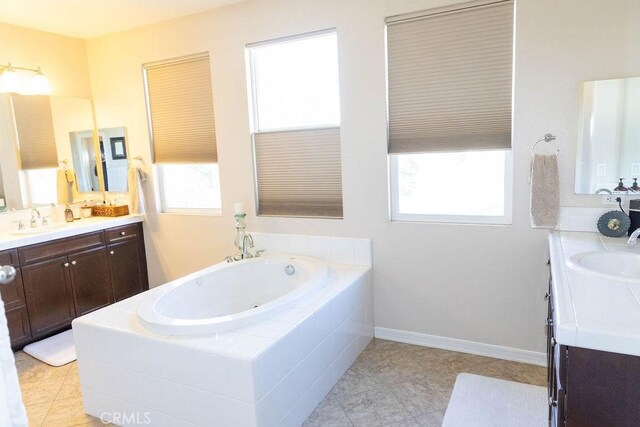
34 125
296 125
449 78
180 109
299 173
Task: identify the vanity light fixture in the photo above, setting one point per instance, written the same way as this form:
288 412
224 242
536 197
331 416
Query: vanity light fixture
20 80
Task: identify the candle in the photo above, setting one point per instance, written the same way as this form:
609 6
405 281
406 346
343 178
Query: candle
238 208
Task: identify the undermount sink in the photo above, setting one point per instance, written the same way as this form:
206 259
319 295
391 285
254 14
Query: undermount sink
621 266
36 230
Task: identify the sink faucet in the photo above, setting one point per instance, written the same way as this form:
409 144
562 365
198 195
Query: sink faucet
34 221
633 239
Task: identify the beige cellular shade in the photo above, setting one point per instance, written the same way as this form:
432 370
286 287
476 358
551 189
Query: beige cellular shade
180 104
34 125
449 79
299 173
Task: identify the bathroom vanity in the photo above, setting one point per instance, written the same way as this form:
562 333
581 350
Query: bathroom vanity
68 272
593 331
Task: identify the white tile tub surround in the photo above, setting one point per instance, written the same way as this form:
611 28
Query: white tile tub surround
338 250
270 373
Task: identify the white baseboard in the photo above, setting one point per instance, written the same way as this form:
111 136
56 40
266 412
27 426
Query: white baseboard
453 344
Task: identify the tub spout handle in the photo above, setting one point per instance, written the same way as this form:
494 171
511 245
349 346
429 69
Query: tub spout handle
228 259
258 252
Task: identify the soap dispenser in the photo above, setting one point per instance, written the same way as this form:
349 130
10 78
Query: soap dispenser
635 187
620 187
68 214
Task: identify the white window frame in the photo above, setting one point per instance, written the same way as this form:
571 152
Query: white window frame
505 219
253 93
26 191
164 209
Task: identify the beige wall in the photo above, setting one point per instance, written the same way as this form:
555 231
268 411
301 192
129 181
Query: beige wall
62 59
480 283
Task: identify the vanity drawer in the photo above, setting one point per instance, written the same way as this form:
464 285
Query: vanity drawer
48 250
125 232
9 257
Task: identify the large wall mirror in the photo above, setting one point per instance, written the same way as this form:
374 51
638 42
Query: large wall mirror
609 137
39 134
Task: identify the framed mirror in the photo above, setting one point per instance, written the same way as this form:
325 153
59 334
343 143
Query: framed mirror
113 158
609 137
84 160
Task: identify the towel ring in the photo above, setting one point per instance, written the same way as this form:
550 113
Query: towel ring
546 138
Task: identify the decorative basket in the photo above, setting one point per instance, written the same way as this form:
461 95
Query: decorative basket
105 210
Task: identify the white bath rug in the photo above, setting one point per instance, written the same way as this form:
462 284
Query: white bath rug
57 350
481 401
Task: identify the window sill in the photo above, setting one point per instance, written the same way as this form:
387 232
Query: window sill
501 221
192 212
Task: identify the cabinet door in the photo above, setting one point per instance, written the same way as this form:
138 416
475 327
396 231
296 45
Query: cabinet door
49 298
18 324
126 269
90 280
13 293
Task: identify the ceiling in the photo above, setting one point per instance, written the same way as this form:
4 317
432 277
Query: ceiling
91 18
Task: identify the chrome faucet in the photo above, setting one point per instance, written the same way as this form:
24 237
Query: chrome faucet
34 221
604 190
247 244
633 239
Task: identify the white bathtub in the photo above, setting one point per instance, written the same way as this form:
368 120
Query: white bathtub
228 296
273 371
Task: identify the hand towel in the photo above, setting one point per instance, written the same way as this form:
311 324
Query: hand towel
545 191
72 185
62 187
136 196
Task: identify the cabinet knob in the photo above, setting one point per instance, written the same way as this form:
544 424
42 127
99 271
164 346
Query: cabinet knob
549 322
122 233
112 252
546 296
73 263
66 264
552 402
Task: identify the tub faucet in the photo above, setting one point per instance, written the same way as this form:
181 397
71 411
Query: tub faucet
247 245
633 239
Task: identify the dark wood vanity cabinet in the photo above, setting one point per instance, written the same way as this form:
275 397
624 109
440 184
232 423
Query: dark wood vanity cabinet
63 279
590 388
15 304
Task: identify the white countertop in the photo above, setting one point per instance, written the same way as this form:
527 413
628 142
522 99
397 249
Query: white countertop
591 312
81 226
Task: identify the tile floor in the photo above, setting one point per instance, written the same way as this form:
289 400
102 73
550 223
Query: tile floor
391 384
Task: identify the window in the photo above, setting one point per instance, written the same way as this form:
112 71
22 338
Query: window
296 125
41 184
190 186
183 135
449 106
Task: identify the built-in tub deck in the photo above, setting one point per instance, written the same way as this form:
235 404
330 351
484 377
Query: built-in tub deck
271 372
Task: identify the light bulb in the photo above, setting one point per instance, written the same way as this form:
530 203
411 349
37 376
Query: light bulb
11 81
40 84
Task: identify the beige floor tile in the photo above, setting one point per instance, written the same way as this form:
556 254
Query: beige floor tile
374 408
31 369
328 413
513 371
68 391
43 391
355 382
419 398
66 413
37 413
432 419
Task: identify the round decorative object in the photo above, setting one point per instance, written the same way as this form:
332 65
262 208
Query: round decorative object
614 224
